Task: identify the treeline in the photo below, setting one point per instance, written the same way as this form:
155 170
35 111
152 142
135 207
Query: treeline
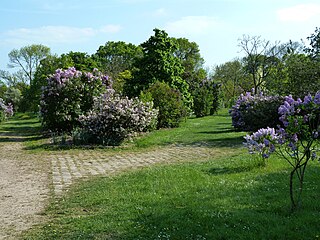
176 65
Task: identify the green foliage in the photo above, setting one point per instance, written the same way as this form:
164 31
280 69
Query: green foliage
303 75
314 49
115 58
189 55
158 64
169 103
13 96
206 99
81 61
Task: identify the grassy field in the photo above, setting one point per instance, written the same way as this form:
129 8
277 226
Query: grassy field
230 196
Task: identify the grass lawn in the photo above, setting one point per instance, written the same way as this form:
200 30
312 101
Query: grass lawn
227 197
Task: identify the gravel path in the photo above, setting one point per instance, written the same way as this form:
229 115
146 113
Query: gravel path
28 181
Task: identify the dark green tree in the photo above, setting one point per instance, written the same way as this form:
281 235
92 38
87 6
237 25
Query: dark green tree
158 63
81 61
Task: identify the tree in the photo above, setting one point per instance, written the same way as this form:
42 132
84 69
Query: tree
27 59
303 75
116 57
314 49
233 80
260 58
80 60
158 64
189 55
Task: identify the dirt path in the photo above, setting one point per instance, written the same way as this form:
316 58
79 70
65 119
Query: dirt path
23 188
26 180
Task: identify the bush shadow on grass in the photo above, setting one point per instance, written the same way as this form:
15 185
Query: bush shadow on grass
20 131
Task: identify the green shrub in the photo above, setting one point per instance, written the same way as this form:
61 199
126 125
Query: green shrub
169 102
206 99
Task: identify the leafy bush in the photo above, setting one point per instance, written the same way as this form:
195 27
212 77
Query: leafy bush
68 94
170 104
206 99
252 112
114 119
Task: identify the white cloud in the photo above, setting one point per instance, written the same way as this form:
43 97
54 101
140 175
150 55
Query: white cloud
160 12
110 28
192 25
299 13
56 34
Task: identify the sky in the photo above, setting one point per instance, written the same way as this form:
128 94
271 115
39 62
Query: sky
215 25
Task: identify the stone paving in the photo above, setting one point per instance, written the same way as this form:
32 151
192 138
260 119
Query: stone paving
68 167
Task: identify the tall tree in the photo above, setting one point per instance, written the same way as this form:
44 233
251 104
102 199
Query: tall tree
158 64
189 55
27 59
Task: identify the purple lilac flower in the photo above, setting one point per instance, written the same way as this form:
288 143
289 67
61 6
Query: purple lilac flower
316 99
307 99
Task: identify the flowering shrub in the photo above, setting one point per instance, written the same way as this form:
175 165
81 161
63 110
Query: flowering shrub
68 94
114 119
297 140
254 111
5 110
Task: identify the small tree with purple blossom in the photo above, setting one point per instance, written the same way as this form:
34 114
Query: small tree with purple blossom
297 141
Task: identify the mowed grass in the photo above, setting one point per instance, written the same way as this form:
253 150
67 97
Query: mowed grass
230 196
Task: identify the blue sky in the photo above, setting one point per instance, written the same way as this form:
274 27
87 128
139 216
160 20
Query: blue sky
215 25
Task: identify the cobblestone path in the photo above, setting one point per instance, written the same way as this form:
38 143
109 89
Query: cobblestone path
66 168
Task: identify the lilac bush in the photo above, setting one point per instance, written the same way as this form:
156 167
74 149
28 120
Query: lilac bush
68 94
6 110
113 119
297 141
254 111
